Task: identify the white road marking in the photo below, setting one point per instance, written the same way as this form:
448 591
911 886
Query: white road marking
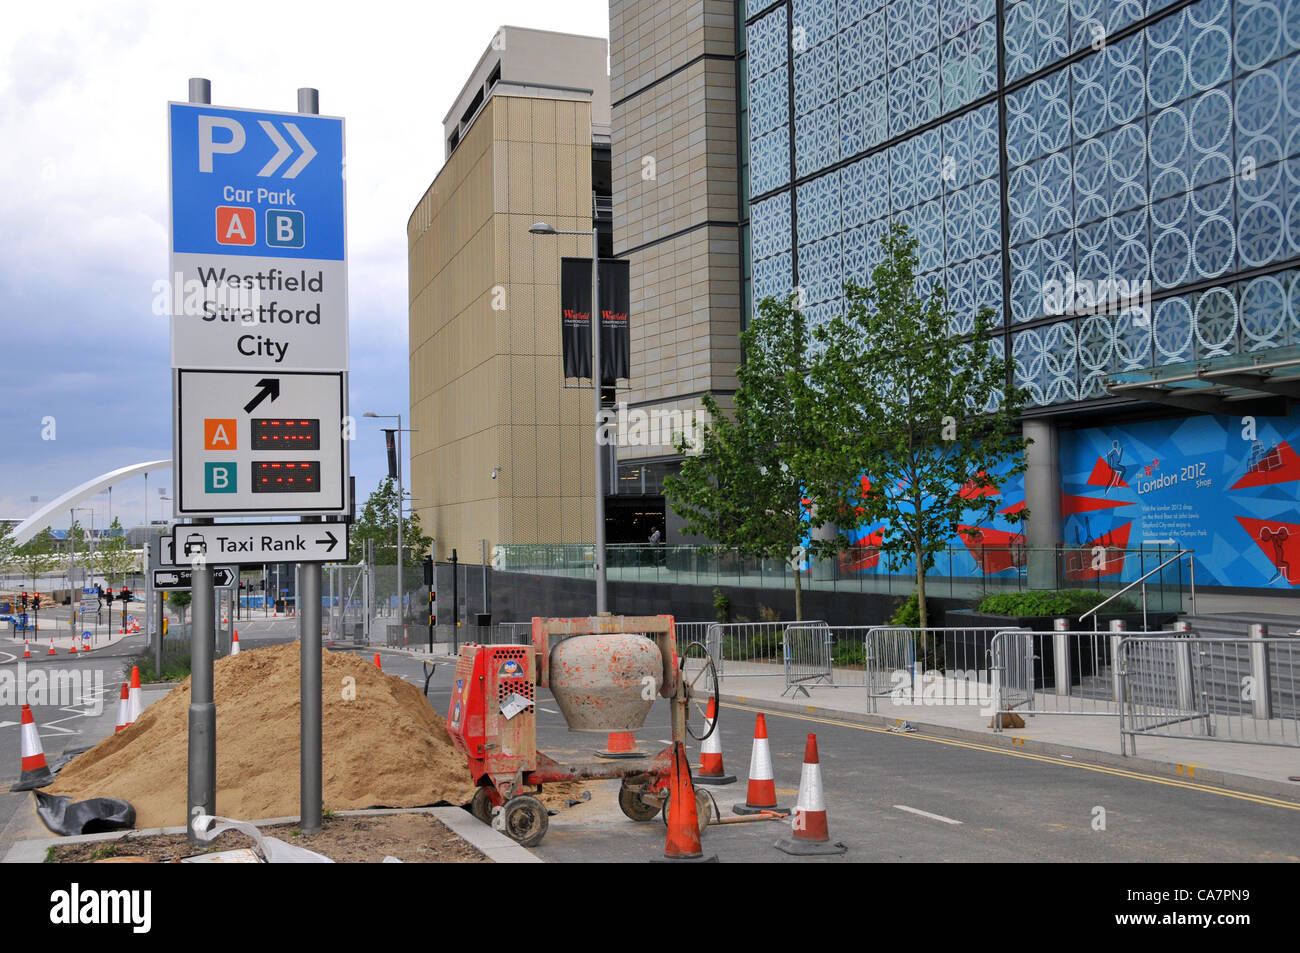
549 711
933 817
8 724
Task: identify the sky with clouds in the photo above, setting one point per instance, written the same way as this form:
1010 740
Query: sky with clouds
83 202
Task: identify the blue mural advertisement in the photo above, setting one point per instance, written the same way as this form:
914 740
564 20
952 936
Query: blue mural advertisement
993 548
1223 486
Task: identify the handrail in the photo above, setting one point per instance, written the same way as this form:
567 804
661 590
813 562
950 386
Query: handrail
1180 554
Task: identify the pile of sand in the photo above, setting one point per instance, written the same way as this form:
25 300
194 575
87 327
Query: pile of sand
383 745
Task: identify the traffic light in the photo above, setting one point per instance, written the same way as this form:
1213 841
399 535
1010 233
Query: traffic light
22 601
125 595
109 596
36 600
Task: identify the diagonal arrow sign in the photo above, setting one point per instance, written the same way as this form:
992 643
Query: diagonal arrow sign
270 387
308 151
282 149
333 541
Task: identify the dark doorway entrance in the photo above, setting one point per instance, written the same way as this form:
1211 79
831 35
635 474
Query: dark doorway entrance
629 520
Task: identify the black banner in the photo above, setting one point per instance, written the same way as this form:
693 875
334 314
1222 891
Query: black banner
575 307
615 333
390 444
575 310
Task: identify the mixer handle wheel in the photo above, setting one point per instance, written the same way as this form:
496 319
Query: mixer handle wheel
707 679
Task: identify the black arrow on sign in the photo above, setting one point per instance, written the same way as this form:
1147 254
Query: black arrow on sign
270 388
333 541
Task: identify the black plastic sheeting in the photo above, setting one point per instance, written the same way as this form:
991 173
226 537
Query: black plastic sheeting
65 816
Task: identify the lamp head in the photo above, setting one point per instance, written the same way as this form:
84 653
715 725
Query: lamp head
541 228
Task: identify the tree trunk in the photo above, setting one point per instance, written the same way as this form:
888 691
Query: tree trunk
920 589
798 595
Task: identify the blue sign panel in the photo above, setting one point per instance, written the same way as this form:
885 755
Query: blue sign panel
1223 486
256 184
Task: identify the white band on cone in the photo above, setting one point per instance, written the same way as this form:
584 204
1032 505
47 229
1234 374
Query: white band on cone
810 789
760 761
31 741
713 743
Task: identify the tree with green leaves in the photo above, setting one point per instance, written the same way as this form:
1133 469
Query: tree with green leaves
377 520
923 426
742 484
6 547
114 558
38 556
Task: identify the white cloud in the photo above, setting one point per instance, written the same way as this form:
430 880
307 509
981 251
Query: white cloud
83 194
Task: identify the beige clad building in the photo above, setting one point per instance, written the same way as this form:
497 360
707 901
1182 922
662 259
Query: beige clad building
676 218
526 140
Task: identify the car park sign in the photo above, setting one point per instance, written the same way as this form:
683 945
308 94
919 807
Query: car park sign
259 316
258 256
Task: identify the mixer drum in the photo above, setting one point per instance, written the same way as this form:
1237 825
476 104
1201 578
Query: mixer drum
600 681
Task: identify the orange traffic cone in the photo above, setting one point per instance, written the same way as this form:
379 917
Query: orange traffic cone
123 709
136 707
621 744
73 650
711 770
810 834
683 840
51 651
761 795
377 665
36 773
234 643
27 649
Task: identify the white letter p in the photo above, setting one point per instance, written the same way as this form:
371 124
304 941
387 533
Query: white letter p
208 148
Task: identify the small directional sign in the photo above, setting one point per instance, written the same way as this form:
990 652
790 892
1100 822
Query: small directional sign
250 444
269 542
223 577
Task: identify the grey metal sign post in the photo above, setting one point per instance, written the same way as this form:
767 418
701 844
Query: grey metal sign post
309 786
202 778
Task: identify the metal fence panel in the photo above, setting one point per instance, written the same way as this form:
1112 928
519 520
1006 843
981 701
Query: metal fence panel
1244 690
947 663
807 654
750 649
1060 673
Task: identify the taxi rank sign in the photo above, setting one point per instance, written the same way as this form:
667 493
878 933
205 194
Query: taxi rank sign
259 321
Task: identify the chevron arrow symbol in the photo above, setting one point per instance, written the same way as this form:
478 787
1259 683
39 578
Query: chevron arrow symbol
308 152
282 149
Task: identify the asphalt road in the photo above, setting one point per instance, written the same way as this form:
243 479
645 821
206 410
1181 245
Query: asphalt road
890 797
911 797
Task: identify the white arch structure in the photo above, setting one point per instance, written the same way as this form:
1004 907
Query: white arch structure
45 515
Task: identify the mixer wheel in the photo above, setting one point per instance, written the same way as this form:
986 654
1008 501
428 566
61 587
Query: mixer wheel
703 809
633 805
525 820
481 806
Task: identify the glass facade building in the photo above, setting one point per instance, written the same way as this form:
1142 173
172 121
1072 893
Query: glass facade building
1035 146
1118 181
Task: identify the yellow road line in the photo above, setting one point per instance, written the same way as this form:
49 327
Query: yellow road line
1046 759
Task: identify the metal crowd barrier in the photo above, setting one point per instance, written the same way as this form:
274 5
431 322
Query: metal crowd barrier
1242 690
949 664
806 649
688 632
1062 672
750 648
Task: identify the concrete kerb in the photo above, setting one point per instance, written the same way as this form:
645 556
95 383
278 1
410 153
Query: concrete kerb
1203 775
494 845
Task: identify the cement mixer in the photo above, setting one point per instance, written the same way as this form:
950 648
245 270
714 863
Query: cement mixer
604 673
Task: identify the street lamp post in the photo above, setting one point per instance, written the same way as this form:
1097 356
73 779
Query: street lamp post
544 228
401 616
